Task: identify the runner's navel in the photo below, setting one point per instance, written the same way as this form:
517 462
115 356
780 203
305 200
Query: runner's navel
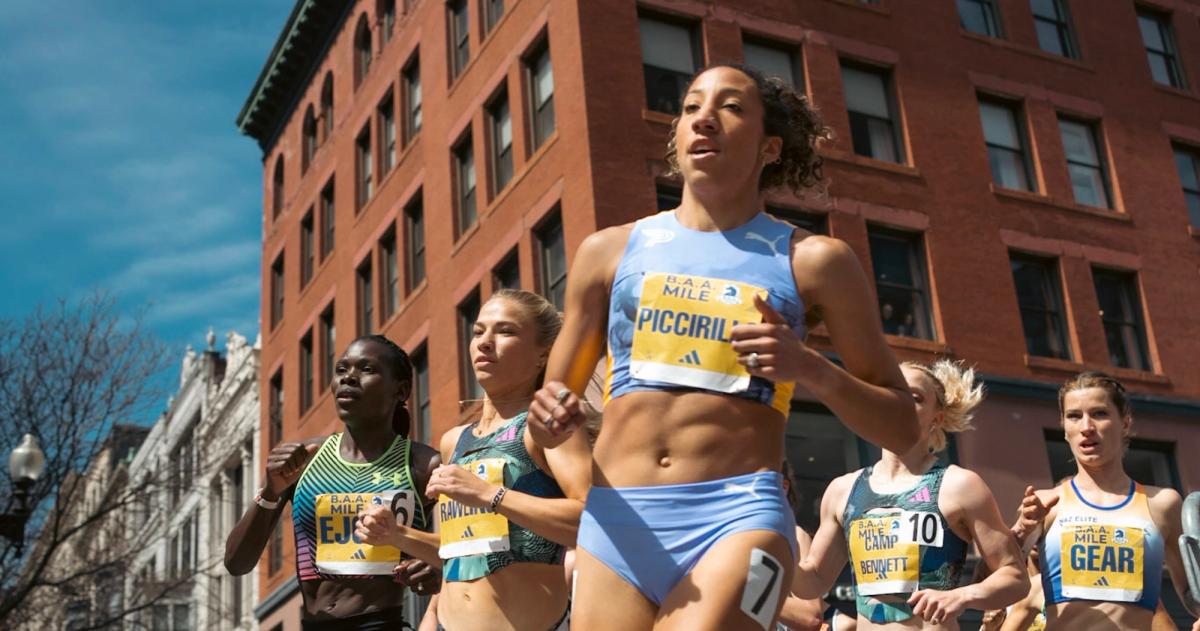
664 462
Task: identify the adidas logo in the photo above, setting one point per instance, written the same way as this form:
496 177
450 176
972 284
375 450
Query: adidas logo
359 555
1103 582
692 358
468 533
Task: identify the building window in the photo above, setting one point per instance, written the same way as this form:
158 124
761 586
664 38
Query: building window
1149 462
1121 313
873 128
812 222
277 291
1053 26
362 50
1005 141
414 231
460 37
1160 48
1188 163
464 179
667 197
386 10
328 219
391 274
820 449
306 249
773 60
308 143
500 119
541 86
277 189
468 312
412 99
901 281
552 257
979 16
366 180
306 372
366 299
327 106
386 115
275 409
328 342
507 274
493 10
422 413
275 552
1088 177
670 54
1039 298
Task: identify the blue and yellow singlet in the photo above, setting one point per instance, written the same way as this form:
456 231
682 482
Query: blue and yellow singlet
678 293
1103 553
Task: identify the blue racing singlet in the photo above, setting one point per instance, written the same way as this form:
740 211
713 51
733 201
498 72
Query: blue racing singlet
678 293
1104 553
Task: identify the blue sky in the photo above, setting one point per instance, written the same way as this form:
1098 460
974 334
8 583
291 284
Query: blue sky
121 167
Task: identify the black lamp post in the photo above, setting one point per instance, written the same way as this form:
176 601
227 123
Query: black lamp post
25 465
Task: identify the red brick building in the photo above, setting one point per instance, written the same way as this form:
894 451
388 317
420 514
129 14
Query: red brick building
1017 177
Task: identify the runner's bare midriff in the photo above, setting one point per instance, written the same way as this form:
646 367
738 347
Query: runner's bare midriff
534 596
655 437
1088 615
916 623
348 597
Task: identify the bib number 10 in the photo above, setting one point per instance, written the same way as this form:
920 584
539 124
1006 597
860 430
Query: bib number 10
922 528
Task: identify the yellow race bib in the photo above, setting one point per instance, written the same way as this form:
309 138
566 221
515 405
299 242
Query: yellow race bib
338 550
466 530
1102 562
682 328
885 560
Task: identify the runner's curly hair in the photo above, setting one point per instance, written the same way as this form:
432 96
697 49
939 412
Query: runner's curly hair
958 394
787 114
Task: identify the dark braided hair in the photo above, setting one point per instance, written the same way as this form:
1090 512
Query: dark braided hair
788 115
402 369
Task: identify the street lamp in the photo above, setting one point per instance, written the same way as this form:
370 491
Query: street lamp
25 465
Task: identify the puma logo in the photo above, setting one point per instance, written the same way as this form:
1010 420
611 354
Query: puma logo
743 488
657 236
754 236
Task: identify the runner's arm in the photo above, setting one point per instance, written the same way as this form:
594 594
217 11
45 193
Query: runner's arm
249 537
557 519
819 569
1166 508
581 342
1008 581
870 395
802 614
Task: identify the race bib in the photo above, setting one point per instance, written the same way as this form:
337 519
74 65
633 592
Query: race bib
339 551
466 530
884 561
682 328
921 528
1102 562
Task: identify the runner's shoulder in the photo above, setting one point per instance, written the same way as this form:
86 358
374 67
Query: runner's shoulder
1166 503
449 440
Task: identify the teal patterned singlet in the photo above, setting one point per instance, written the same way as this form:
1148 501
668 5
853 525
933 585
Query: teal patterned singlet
939 566
521 474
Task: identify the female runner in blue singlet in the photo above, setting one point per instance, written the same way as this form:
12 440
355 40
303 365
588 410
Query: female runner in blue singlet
703 310
1105 538
346 584
905 523
508 507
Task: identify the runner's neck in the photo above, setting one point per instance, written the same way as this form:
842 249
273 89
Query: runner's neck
498 411
714 213
1109 479
364 443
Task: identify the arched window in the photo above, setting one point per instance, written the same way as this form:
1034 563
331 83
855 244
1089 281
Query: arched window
308 143
362 49
327 107
277 189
